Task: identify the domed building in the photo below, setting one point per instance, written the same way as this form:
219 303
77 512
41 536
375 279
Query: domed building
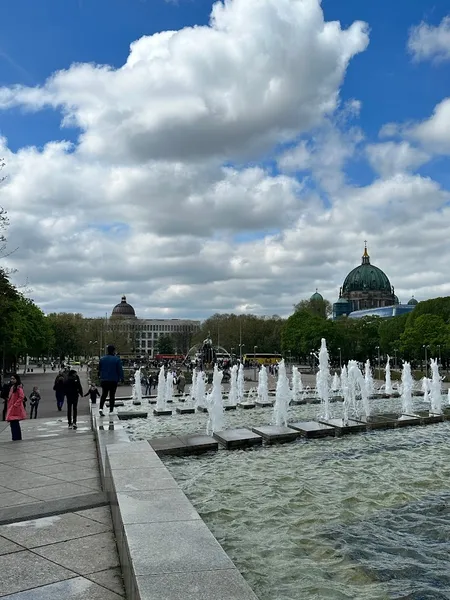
142 335
413 302
365 287
316 297
123 310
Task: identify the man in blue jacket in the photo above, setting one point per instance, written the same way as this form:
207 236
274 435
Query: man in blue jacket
110 372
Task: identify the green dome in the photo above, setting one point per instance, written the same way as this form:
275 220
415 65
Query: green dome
413 302
316 296
366 278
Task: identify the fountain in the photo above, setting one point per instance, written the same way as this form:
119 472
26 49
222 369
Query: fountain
282 397
323 381
370 386
345 394
388 385
200 389
194 383
233 391
426 389
336 384
136 394
297 385
240 384
161 406
263 387
168 395
355 381
448 396
407 385
215 404
436 392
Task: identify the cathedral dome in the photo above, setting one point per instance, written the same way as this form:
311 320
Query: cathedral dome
413 302
316 297
123 310
366 278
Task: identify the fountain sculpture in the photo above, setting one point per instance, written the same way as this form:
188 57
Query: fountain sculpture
336 384
233 392
200 389
297 384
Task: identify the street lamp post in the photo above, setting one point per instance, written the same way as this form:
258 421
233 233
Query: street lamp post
379 361
425 347
254 362
240 351
340 360
439 351
395 358
232 350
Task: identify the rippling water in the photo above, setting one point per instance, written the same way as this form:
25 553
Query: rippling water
363 516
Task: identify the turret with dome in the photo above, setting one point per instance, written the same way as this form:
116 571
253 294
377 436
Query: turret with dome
123 310
365 287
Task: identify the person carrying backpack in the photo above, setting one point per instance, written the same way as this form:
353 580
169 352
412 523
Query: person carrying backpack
59 389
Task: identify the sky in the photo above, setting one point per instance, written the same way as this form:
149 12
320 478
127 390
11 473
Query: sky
206 157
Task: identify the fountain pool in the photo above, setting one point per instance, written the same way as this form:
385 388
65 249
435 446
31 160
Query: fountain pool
363 517
359 517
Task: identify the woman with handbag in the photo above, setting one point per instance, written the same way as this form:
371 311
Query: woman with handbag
16 410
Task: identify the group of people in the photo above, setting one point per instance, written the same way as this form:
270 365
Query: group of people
67 387
14 404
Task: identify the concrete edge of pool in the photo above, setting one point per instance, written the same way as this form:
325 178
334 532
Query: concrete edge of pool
165 548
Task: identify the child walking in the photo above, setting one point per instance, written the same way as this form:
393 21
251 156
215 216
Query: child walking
93 393
35 397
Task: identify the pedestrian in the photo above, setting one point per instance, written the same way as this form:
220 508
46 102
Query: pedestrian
110 372
35 398
59 387
16 411
181 383
4 394
93 393
72 389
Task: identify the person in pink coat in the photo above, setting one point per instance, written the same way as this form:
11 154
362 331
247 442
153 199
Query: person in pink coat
16 410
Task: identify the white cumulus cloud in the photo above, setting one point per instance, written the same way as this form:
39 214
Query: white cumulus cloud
390 158
429 42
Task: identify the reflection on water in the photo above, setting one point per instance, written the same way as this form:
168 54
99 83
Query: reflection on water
359 517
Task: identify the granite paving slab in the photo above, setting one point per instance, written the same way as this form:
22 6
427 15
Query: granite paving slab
94 483
156 506
78 588
102 514
143 479
171 444
60 490
83 555
7 547
24 480
349 426
51 530
75 474
226 584
14 499
135 460
111 579
24 570
174 547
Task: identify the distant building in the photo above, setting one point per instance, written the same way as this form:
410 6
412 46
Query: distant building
367 291
146 332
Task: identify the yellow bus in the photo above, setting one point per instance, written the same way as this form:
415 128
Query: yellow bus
263 358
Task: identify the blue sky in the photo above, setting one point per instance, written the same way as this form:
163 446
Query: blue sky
39 38
234 187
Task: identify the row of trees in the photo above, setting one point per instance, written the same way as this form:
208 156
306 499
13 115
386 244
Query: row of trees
425 328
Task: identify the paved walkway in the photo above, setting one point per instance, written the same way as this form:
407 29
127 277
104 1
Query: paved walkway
56 538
